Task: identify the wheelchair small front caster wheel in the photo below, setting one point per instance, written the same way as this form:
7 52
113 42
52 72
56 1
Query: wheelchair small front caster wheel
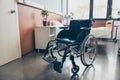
75 69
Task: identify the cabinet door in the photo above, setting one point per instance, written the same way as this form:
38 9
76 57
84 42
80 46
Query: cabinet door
42 36
9 32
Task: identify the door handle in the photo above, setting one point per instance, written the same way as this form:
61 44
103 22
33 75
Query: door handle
12 11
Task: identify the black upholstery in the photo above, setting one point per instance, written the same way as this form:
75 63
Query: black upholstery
75 31
75 26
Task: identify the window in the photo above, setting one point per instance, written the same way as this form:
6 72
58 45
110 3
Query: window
115 8
79 8
99 8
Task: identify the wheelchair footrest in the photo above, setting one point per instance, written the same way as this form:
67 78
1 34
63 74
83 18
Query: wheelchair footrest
50 59
57 66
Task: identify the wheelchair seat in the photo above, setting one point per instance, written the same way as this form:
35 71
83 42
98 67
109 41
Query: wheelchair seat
77 31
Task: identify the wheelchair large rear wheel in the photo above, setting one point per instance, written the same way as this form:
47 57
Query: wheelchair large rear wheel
88 50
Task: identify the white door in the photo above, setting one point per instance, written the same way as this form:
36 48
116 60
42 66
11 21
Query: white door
9 32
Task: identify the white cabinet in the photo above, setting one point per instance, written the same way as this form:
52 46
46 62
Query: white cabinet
43 35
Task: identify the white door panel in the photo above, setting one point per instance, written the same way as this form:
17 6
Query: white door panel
9 32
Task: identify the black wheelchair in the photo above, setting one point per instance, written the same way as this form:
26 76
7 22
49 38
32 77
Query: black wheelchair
74 42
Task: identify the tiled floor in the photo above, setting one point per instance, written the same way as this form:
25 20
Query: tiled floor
33 67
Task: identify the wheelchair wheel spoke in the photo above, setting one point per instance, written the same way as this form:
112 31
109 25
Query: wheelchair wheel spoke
88 58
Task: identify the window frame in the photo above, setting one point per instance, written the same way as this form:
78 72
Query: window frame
109 10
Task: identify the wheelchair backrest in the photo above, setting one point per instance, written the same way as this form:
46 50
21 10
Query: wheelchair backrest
75 28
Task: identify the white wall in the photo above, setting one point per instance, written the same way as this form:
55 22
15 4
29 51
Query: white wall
9 32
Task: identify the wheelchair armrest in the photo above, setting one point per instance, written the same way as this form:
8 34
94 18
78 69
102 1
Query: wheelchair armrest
64 28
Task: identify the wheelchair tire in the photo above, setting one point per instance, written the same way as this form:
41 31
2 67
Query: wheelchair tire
88 50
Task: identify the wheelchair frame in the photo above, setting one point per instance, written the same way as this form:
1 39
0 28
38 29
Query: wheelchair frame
85 50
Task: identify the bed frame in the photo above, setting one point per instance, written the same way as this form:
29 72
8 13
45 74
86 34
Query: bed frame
99 24
110 25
